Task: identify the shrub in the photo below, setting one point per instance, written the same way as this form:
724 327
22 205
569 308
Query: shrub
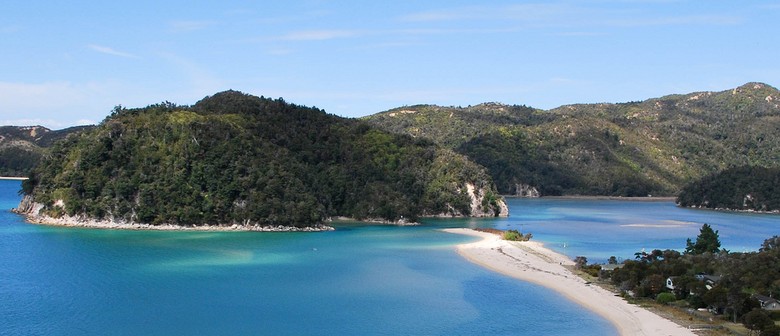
665 298
513 235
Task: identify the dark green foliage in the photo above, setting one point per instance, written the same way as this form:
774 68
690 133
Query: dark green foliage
739 275
524 164
738 188
233 158
707 241
758 319
18 160
644 148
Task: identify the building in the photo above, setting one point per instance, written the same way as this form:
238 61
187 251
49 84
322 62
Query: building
767 303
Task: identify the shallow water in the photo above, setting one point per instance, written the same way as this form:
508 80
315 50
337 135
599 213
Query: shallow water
356 280
599 229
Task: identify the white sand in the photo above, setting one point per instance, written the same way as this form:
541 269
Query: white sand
532 262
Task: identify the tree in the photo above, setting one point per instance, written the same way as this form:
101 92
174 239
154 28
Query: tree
707 241
580 262
757 319
771 244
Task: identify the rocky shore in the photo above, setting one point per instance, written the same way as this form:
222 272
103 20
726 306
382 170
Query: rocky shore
31 211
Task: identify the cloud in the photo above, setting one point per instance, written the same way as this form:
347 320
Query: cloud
318 35
566 15
110 51
492 13
55 104
718 20
188 26
48 123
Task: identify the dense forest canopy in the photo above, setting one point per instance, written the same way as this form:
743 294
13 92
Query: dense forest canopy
739 188
236 158
652 147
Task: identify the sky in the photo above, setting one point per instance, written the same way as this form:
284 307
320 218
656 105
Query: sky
66 63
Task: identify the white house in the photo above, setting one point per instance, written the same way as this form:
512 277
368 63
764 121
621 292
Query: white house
767 303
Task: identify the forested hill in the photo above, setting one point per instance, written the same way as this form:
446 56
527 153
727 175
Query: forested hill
628 149
21 147
739 188
234 158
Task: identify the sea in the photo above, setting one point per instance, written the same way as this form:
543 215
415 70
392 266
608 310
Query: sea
357 280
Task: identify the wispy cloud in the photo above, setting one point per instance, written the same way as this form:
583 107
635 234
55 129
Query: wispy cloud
319 35
48 123
567 15
183 26
110 51
718 20
492 13
56 104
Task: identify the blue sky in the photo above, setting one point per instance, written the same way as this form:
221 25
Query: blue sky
66 63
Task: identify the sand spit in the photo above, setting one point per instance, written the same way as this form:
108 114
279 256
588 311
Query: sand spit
532 262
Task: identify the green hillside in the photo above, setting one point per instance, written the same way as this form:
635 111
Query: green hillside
21 147
738 188
234 158
630 149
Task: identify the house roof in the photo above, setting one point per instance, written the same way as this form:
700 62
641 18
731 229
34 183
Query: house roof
764 299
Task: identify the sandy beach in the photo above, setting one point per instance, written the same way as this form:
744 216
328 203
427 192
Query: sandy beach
532 262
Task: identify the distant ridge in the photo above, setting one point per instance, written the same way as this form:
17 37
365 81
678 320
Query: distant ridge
652 147
21 147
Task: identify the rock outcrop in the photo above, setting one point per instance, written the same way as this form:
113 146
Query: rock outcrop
526 190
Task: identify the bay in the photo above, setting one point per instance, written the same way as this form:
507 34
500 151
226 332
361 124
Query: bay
357 280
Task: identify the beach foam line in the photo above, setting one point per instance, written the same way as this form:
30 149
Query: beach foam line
532 262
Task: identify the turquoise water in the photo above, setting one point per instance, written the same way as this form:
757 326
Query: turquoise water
599 229
357 280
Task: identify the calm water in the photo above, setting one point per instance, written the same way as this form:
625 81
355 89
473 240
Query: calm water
357 280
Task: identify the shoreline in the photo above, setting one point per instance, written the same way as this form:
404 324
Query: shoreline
111 225
532 262
616 198
31 211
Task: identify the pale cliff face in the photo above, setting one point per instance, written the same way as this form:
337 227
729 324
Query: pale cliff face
477 196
